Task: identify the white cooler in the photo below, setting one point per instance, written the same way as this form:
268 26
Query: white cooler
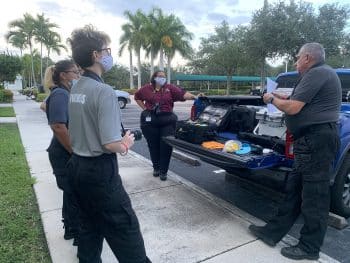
271 124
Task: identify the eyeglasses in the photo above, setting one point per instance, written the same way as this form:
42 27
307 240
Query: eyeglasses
109 51
73 71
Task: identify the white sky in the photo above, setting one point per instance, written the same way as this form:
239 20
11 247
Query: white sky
199 16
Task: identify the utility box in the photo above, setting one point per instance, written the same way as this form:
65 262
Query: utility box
272 124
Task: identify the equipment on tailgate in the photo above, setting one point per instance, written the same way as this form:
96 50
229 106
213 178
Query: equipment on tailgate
214 119
194 132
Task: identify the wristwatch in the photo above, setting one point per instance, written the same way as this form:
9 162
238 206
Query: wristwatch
270 100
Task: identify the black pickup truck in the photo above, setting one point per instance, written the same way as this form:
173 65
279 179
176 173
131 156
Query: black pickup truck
270 147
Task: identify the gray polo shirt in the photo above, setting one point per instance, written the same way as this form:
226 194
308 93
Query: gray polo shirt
94 117
320 89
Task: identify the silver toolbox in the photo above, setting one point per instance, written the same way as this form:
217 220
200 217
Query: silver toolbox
271 124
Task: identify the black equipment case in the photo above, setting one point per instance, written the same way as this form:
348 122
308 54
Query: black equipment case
213 119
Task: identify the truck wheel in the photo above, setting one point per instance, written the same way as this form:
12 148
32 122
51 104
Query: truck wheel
122 103
340 191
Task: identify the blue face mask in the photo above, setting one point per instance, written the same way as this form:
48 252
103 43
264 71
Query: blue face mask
107 62
73 82
160 81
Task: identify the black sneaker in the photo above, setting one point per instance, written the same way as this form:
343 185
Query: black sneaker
155 173
70 233
258 231
163 176
295 252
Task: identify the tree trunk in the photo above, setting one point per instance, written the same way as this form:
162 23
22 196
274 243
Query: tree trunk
131 71
161 63
139 69
262 74
169 70
152 63
228 84
32 60
41 62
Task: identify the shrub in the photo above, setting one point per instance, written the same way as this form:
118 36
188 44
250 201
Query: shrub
30 92
41 96
6 95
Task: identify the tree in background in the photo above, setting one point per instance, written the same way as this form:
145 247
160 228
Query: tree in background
24 28
224 51
125 43
43 27
135 30
10 67
29 30
52 42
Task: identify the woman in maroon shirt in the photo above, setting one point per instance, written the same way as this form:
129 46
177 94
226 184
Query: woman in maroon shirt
158 119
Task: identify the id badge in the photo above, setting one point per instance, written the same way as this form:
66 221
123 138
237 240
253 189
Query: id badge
148 119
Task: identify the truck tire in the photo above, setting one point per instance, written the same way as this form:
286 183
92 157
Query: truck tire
340 190
122 102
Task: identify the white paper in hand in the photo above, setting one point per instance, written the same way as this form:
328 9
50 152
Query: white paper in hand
271 87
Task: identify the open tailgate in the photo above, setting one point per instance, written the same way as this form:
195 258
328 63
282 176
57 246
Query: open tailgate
228 161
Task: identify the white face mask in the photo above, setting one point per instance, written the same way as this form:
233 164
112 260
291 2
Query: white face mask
160 80
107 62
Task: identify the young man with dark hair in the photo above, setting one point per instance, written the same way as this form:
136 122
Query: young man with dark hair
95 132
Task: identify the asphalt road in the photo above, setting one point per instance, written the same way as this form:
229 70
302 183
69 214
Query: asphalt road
259 202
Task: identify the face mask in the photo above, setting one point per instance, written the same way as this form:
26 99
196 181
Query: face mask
160 80
73 82
106 62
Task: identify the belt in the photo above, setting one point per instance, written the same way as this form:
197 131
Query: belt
314 127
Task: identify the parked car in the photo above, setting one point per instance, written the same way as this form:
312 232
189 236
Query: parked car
123 98
270 146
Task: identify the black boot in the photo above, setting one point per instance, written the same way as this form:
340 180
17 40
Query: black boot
70 233
155 173
259 231
163 176
295 252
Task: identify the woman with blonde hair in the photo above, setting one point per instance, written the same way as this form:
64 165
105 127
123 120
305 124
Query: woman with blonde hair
58 79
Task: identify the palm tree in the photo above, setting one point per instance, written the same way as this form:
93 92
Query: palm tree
52 42
24 28
135 27
171 36
18 40
125 42
42 30
152 44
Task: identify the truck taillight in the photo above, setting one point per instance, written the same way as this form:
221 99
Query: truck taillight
289 145
193 112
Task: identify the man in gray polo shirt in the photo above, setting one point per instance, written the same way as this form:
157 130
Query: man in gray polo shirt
312 112
95 132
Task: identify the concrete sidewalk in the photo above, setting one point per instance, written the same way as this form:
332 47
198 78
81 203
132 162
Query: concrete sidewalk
180 222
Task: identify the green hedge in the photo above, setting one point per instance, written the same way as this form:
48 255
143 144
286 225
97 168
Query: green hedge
41 96
6 95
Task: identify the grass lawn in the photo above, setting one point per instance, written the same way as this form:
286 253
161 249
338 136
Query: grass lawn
21 233
7 112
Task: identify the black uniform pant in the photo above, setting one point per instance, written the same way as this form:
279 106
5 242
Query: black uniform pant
59 159
308 188
154 130
106 211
